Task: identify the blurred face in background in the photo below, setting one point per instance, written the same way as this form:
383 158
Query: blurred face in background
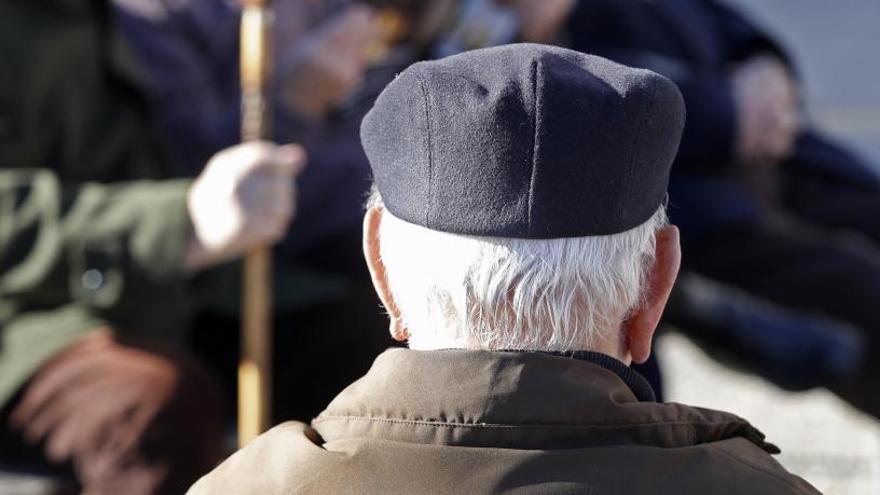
478 24
326 47
540 20
418 21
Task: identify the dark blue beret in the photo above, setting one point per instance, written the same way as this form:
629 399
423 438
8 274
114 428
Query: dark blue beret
527 141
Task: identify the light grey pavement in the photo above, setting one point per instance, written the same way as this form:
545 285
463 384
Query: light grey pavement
836 44
830 444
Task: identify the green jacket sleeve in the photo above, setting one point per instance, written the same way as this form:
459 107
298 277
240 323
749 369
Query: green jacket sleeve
114 248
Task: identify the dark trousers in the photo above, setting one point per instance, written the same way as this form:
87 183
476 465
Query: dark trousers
816 249
319 349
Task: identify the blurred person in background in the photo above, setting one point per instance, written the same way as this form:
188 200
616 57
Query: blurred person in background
331 59
765 202
99 236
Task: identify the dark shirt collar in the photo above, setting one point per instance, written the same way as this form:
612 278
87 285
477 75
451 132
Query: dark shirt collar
633 379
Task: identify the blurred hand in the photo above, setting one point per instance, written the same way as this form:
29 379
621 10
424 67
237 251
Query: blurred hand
767 116
88 374
541 19
242 200
330 63
129 419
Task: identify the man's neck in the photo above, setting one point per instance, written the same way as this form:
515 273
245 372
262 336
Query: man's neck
616 350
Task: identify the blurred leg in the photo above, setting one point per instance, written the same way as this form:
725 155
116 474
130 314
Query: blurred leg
323 349
807 271
793 349
318 351
128 419
319 348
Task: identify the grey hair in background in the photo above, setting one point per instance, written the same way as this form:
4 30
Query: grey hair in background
503 293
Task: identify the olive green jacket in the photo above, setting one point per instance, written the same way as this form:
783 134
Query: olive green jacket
92 220
473 422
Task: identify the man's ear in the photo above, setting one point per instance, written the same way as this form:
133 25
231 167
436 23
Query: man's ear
372 221
639 328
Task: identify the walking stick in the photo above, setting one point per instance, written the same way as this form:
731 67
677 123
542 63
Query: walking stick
255 365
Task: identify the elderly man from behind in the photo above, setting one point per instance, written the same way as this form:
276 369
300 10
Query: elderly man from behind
519 243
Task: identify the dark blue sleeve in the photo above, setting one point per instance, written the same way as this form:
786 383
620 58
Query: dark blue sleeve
710 128
194 104
628 32
189 52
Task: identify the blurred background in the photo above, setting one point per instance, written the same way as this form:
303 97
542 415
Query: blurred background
116 105
828 442
832 445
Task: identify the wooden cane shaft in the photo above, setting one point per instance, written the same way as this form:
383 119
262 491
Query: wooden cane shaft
255 366
255 66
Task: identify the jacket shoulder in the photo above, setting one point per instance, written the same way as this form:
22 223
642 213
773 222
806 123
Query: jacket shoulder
286 459
761 468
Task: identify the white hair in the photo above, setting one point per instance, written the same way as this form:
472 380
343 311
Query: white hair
504 293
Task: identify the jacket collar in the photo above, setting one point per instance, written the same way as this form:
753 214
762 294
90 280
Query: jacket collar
513 400
632 378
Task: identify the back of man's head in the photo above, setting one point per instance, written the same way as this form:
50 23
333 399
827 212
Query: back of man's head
500 293
519 201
